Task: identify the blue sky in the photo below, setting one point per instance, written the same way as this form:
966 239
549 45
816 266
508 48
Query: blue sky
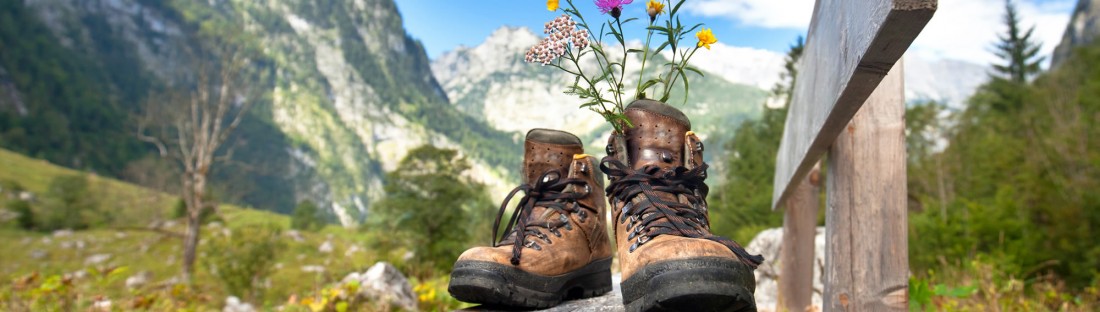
961 29
443 25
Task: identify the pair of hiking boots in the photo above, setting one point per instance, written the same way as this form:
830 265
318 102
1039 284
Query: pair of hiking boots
556 246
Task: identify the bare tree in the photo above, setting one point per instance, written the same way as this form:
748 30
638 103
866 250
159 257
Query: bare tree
190 126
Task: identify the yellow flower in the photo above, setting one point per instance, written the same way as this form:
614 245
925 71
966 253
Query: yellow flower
552 5
654 7
706 38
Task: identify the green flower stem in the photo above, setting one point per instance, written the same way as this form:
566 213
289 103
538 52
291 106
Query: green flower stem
680 68
645 55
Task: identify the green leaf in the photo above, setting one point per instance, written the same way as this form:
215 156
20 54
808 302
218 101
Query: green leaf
687 87
634 51
661 47
696 70
629 20
676 8
658 28
650 83
693 28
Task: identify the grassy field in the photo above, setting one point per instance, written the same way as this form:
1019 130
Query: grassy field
47 271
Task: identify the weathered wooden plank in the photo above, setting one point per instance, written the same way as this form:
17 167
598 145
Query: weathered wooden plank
851 45
866 250
796 255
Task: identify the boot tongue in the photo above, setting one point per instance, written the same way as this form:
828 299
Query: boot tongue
657 137
546 150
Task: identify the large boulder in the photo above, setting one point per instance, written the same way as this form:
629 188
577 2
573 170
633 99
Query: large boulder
768 243
384 283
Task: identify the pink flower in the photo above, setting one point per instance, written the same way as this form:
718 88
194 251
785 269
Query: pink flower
613 6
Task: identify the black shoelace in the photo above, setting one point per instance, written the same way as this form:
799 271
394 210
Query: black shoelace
546 192
656 216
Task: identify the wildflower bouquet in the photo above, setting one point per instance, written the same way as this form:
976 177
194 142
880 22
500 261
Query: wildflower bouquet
570 38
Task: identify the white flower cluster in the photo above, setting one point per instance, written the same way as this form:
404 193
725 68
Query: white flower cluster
561 32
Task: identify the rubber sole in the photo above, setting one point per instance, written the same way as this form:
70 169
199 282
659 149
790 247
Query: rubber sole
699 284
496 284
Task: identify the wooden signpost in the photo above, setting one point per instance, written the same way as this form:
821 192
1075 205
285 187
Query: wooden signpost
851 51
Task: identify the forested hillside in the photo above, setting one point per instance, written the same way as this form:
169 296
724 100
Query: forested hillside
347 93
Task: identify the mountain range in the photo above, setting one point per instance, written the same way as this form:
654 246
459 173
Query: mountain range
352 92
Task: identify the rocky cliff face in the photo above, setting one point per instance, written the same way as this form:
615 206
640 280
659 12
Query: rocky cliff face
1083 28
352 93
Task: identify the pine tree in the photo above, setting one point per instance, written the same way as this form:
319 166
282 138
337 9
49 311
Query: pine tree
1019 51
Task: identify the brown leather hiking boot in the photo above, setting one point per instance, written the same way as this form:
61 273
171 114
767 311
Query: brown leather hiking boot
555 246
669 258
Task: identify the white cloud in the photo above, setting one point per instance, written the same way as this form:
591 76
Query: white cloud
741 65
762 13
961 29
967 29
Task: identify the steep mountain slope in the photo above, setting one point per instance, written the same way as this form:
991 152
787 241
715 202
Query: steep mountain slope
948 81
350 95
1083 27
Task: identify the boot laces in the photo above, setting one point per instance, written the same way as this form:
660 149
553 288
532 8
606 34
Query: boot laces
548 192
654 216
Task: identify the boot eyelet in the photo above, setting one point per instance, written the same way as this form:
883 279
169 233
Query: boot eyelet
643 239
583 168
550 177
698 146
610 149
666 157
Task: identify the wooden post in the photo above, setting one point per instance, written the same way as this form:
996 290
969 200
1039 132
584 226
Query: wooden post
850 46
866 260
796 255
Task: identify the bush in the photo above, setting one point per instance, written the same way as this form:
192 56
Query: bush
429 207
242 259
70 204
25 219
179 211
306 217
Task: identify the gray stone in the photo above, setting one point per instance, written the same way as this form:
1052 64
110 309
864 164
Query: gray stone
234 304
767 244
612 301
326 247
97 259
138 280
384 283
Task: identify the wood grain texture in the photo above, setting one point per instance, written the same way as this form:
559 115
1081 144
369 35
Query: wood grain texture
851 45
866 246
796 255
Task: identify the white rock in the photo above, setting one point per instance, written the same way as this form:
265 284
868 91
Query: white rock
137 280
326 247
234 304
26 196
383 282
352 251
102 305
97 259
295 235
767 244
38 254
62 233
313 269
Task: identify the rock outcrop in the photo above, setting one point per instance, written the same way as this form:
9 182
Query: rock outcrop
384 283
1083 28
768 243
